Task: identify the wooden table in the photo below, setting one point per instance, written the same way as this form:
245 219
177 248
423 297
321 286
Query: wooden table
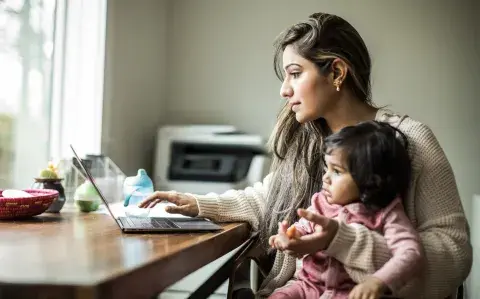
76 255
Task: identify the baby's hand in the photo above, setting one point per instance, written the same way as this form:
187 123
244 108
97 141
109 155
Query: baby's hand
272 241
372 288
281 239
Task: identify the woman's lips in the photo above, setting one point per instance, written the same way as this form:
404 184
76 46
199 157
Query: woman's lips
293 103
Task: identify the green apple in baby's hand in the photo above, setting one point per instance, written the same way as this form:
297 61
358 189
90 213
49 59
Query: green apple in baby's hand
86 197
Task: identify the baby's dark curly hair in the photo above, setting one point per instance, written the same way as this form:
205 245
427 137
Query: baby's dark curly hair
377 158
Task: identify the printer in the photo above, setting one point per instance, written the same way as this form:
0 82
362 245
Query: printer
208 158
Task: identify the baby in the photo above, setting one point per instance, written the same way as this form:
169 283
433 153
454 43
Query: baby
367 172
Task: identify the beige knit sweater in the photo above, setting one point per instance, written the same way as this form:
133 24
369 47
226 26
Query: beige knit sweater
433 205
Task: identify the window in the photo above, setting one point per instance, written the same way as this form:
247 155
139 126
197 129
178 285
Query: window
51 58
26 52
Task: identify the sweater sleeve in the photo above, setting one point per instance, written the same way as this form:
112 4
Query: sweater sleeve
440 221
235 205
404 243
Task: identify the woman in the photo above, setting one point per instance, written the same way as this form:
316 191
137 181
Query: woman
326 82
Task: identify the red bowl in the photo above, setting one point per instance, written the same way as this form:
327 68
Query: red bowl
22 207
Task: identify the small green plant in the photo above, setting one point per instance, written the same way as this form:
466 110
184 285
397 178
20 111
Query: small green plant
50 172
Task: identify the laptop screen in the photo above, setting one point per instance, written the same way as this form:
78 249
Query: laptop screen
89 175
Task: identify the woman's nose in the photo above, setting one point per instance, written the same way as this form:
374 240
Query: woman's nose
286 90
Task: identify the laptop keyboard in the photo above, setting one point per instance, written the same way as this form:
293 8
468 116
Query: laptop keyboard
142 222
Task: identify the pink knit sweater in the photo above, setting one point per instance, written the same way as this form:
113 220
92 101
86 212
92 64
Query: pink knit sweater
433 206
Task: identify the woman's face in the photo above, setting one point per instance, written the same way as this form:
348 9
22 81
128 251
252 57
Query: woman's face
309 93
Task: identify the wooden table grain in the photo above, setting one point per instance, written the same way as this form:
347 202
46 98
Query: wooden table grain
85 255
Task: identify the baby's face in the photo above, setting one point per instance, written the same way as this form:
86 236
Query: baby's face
338 185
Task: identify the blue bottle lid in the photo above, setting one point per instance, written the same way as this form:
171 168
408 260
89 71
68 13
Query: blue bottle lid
141 183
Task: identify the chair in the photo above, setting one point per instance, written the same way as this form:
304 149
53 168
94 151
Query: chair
227 271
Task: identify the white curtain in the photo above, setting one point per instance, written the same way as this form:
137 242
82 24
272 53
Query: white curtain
78 77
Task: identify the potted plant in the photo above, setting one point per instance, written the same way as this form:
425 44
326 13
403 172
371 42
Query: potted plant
48 179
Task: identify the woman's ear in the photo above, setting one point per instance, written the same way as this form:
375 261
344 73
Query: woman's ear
339 72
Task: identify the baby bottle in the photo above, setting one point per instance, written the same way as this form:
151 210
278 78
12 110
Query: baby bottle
136 189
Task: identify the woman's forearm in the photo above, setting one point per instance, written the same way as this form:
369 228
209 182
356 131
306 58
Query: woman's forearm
235 205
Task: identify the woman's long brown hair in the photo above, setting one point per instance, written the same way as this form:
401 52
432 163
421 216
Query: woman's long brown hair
297 166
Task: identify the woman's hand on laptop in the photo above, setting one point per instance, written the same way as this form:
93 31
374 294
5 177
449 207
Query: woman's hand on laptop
183 204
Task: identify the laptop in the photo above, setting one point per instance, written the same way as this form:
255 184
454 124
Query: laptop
152 224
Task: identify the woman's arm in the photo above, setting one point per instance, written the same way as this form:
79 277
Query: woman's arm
441 224
403 241
235 205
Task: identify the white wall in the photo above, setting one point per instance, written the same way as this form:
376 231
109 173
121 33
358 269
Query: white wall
135 89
